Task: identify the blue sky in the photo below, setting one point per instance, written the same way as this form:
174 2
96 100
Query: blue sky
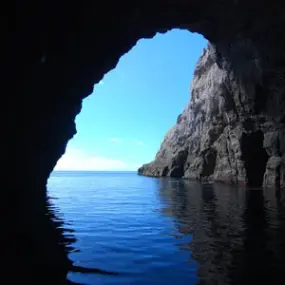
124 120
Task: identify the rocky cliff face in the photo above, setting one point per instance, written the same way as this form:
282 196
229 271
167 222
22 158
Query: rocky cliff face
233 128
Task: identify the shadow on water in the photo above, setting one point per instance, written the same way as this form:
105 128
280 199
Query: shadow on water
36 244
238 235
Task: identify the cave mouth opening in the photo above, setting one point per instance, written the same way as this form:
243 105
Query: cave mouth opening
255 157
135 104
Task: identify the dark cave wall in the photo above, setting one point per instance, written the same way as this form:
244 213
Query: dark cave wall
54 52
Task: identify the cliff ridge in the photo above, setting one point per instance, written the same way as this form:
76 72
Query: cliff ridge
232 130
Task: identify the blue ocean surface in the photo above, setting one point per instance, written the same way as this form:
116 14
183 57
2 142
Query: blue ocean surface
168 231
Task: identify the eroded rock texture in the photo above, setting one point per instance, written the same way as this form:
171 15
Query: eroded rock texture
53 52
233 128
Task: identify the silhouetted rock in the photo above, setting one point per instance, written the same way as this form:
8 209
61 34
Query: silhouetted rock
55 51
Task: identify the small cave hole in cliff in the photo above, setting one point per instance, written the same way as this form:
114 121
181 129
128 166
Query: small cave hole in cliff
124 120
254 157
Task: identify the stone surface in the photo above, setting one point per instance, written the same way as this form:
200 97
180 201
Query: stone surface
226 133
53 52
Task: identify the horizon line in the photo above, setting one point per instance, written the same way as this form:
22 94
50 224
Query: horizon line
89 170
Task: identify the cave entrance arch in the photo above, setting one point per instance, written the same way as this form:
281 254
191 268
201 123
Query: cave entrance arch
55 52
135 104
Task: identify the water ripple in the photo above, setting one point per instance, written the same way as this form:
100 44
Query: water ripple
145 231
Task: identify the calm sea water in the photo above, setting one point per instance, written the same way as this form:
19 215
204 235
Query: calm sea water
167 231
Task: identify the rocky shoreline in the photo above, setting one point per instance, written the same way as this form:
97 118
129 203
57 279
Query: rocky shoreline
232 130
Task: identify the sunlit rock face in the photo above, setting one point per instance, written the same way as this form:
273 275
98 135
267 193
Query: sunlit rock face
233 128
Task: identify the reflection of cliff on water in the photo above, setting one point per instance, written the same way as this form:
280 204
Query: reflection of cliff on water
36 244
238 235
